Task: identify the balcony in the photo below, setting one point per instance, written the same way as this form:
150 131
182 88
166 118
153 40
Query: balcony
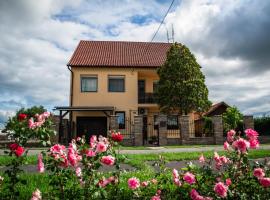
147 98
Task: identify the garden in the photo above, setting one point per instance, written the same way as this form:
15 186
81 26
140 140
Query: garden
73 171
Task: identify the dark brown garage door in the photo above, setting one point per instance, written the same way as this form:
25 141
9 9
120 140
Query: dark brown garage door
89 126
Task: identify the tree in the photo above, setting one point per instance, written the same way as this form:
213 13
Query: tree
181 87
232 118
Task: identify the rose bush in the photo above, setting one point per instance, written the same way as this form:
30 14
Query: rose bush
32 123
73 172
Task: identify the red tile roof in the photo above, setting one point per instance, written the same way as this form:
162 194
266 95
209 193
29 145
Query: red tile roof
119 54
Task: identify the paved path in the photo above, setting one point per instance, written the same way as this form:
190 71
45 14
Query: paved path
156 150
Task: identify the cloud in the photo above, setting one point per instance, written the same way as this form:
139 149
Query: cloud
230 40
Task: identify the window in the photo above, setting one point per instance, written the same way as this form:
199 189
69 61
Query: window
121 119
116 84
155 85
89 84
172 122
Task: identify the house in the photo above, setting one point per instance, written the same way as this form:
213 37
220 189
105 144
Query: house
115 81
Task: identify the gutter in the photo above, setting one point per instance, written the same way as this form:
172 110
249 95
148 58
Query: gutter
71 86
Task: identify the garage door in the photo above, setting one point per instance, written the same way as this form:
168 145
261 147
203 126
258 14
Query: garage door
89 126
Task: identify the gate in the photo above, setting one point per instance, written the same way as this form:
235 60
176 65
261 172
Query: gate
150 130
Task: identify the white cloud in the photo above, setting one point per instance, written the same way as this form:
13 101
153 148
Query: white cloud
38 38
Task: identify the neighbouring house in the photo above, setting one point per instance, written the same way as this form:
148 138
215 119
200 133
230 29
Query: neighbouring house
215 109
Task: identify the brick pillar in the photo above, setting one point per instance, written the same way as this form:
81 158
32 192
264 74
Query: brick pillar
162 129
138 130
248 122
218 129
113 123
184 128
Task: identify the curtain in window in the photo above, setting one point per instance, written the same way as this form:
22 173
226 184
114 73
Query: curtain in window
89 84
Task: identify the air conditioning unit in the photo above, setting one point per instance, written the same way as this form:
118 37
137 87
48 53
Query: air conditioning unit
142 111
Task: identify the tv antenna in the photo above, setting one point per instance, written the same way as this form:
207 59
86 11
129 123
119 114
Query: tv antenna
170 39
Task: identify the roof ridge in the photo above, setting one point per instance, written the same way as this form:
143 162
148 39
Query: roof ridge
123 41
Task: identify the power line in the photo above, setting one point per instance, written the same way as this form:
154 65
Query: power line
162 21
148 45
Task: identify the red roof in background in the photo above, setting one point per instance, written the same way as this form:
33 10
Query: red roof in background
119 54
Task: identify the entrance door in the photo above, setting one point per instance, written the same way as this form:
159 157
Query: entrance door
89 126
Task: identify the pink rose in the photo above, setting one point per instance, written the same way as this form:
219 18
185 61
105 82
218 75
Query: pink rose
224 159
145 183
156 197
90 153
133 183
36 195
177 182
201 159
228 181
175 173
251 134
189 178
265 182
107 160
46 114
57 148
258 172
154 181
31 123
93 141
101 147
226 146
194 195
41 168
73 156
241 145
254 143
221 189
230 135
78 172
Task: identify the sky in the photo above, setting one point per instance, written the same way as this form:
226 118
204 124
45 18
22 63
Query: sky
230 39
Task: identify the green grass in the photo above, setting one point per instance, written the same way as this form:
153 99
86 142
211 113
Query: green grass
30 160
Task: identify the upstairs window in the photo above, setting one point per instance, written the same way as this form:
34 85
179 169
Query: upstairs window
89 84
116 84
121 119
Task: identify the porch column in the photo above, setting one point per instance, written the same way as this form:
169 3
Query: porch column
113 123
218 129
60 131
184 128
162 130
248 122
138 130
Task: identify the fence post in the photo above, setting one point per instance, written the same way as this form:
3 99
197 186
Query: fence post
184 128
138 130
162 129
248 122
218 129
113 122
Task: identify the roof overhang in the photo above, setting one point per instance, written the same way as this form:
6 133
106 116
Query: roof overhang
84 108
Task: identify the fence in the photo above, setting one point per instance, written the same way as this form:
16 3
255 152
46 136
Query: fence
173 126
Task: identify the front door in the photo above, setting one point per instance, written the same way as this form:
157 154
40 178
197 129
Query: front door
89 126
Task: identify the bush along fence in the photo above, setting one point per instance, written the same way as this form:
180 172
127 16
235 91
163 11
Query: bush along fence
73 171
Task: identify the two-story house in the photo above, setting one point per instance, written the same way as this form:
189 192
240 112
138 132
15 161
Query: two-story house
114 78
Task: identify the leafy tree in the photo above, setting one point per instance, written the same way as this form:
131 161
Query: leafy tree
181 86
232 118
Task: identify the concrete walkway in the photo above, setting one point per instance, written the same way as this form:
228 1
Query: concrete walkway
155 150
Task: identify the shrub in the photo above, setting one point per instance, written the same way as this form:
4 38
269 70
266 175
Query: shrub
262 125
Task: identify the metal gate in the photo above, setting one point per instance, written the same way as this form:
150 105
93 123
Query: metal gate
150 130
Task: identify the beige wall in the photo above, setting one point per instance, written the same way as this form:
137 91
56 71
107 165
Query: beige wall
121 100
